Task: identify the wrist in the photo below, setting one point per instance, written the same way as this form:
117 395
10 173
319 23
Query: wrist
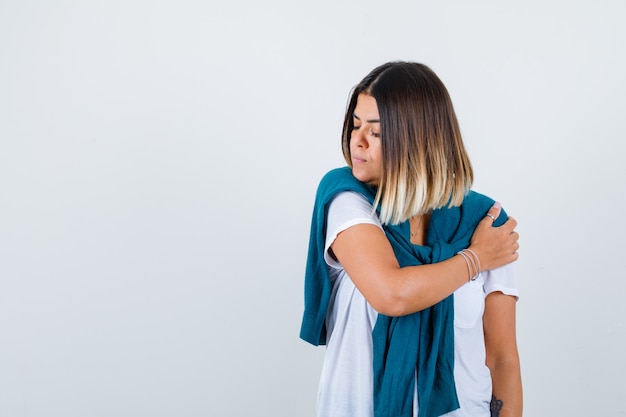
472 261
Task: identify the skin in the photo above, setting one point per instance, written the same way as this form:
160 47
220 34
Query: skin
367 256
365 145
502 355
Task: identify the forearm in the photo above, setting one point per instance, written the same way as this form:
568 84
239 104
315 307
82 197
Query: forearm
420 287
502 356
507 389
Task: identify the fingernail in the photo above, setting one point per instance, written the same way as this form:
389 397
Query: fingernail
496 204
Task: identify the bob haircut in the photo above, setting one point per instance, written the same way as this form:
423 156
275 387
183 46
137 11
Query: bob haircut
424 163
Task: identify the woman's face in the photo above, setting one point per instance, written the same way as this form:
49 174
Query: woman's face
365 145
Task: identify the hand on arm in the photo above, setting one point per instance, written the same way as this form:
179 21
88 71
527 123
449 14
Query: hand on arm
502 355
495 246
367 256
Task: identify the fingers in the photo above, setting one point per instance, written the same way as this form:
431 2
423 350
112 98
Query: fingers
496 246
493 213
495 210
514 244
510 224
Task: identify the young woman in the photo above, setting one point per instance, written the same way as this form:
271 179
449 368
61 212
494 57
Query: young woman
408 279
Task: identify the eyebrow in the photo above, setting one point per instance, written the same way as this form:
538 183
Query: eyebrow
368 121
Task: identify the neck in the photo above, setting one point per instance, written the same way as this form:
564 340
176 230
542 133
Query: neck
419 226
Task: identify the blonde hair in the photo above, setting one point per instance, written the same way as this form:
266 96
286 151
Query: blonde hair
424 163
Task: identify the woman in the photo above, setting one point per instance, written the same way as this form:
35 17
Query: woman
394 235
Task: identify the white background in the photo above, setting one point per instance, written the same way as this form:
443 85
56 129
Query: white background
159 159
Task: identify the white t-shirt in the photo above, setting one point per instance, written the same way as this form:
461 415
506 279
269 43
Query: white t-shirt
346 382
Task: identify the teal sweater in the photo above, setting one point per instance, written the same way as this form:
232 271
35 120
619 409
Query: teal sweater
422 340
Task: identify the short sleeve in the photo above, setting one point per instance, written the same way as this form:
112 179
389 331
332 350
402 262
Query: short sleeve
346 210
501 279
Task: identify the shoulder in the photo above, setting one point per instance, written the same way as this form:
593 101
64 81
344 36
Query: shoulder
347 209
477 201
339 180
477 205
337 174
464 218
339 177
350 198
352 205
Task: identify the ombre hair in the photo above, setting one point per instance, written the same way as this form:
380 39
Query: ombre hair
424 163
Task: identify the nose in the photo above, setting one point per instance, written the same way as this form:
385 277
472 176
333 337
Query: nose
359 138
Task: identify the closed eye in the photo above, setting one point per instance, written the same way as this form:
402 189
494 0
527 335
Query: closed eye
370 131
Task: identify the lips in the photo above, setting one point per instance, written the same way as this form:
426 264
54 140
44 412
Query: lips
357 160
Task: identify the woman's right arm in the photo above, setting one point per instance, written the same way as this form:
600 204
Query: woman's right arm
367 256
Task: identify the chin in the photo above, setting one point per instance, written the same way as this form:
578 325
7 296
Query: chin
359 175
